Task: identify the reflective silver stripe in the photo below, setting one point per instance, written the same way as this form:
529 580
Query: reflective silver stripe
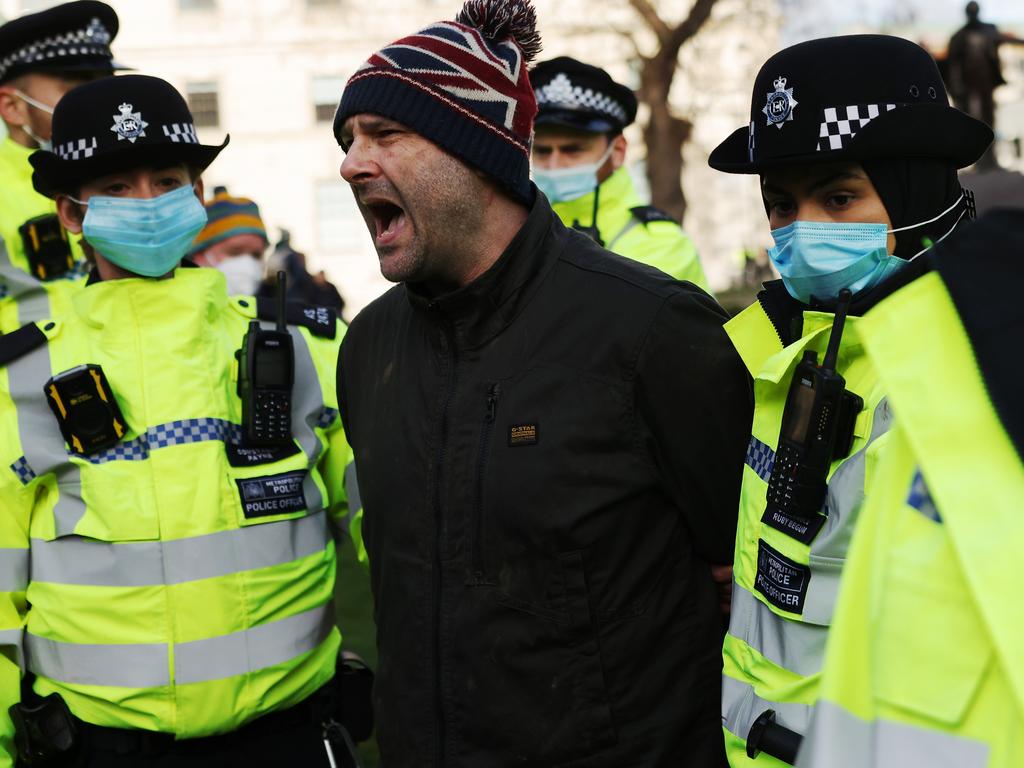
124 665
13 569
13 638
263 646
789 644
29 293
355 503
741 707
215 658
633 221
88 562
837 739
41 439
307 409
829 548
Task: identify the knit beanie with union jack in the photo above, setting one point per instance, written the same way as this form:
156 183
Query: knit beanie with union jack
462 84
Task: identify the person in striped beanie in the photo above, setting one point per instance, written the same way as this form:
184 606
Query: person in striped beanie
232 241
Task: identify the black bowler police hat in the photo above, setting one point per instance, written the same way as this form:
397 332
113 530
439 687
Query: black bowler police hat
114 124
855 97
73 37
581 96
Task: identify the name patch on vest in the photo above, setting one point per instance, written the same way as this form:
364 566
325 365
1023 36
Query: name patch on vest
272 495
782 582
522 434
799 528
252 456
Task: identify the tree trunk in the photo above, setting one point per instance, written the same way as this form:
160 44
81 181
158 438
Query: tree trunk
665 135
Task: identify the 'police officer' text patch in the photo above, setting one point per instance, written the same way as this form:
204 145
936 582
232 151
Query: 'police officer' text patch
273 494
782 582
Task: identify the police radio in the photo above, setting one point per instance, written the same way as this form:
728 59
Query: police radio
46 247
817 429
266 372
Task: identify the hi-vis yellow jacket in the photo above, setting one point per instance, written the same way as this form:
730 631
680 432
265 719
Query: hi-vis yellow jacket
785 586
925 663
23 297
636 231
176 582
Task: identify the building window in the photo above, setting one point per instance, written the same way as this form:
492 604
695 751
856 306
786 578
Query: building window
204 104
336 215
196 5
326 95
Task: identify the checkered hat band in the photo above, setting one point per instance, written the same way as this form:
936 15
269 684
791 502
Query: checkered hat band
79 149
560 93
840 124
760 458
92 40
181 133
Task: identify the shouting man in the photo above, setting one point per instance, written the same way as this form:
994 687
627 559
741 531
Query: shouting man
549 438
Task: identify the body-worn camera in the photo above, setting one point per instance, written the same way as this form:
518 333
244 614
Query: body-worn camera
46 247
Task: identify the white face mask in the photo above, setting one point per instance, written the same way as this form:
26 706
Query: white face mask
242 273
45 144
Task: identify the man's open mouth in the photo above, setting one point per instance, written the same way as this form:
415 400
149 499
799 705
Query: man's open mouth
388 218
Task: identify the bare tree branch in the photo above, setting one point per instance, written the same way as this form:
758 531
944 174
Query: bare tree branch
650 16
700 12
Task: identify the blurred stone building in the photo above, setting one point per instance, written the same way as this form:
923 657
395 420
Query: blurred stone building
270 72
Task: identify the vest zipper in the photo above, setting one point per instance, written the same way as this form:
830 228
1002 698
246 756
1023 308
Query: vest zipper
483 454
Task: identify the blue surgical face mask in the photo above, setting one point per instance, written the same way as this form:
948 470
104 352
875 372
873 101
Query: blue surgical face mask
819 259
145 236
564 184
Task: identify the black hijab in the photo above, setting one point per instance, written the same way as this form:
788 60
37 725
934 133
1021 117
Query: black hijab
914 190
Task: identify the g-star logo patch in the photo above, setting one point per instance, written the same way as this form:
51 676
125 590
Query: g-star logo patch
129 124
522 434
780 104
782 582
272 495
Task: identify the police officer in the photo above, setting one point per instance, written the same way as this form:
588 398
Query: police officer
924 665
579 152
857 150
167 565
42 56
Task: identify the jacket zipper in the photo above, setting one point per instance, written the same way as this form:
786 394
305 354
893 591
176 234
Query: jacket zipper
483 454
448 346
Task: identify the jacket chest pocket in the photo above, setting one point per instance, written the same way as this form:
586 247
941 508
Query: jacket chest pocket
550 450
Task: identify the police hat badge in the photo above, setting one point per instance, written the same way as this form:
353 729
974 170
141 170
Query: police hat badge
779 107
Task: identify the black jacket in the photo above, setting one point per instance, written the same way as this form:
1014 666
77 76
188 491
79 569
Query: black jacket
548 460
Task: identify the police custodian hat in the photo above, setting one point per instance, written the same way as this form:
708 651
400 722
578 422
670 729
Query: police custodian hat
73 37
581 96
850 98
110 125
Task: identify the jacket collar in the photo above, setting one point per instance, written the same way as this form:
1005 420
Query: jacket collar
786 313
617 194
479 311
189 297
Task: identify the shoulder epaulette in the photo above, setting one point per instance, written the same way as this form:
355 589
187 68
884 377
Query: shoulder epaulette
320 321
647 214
20 342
